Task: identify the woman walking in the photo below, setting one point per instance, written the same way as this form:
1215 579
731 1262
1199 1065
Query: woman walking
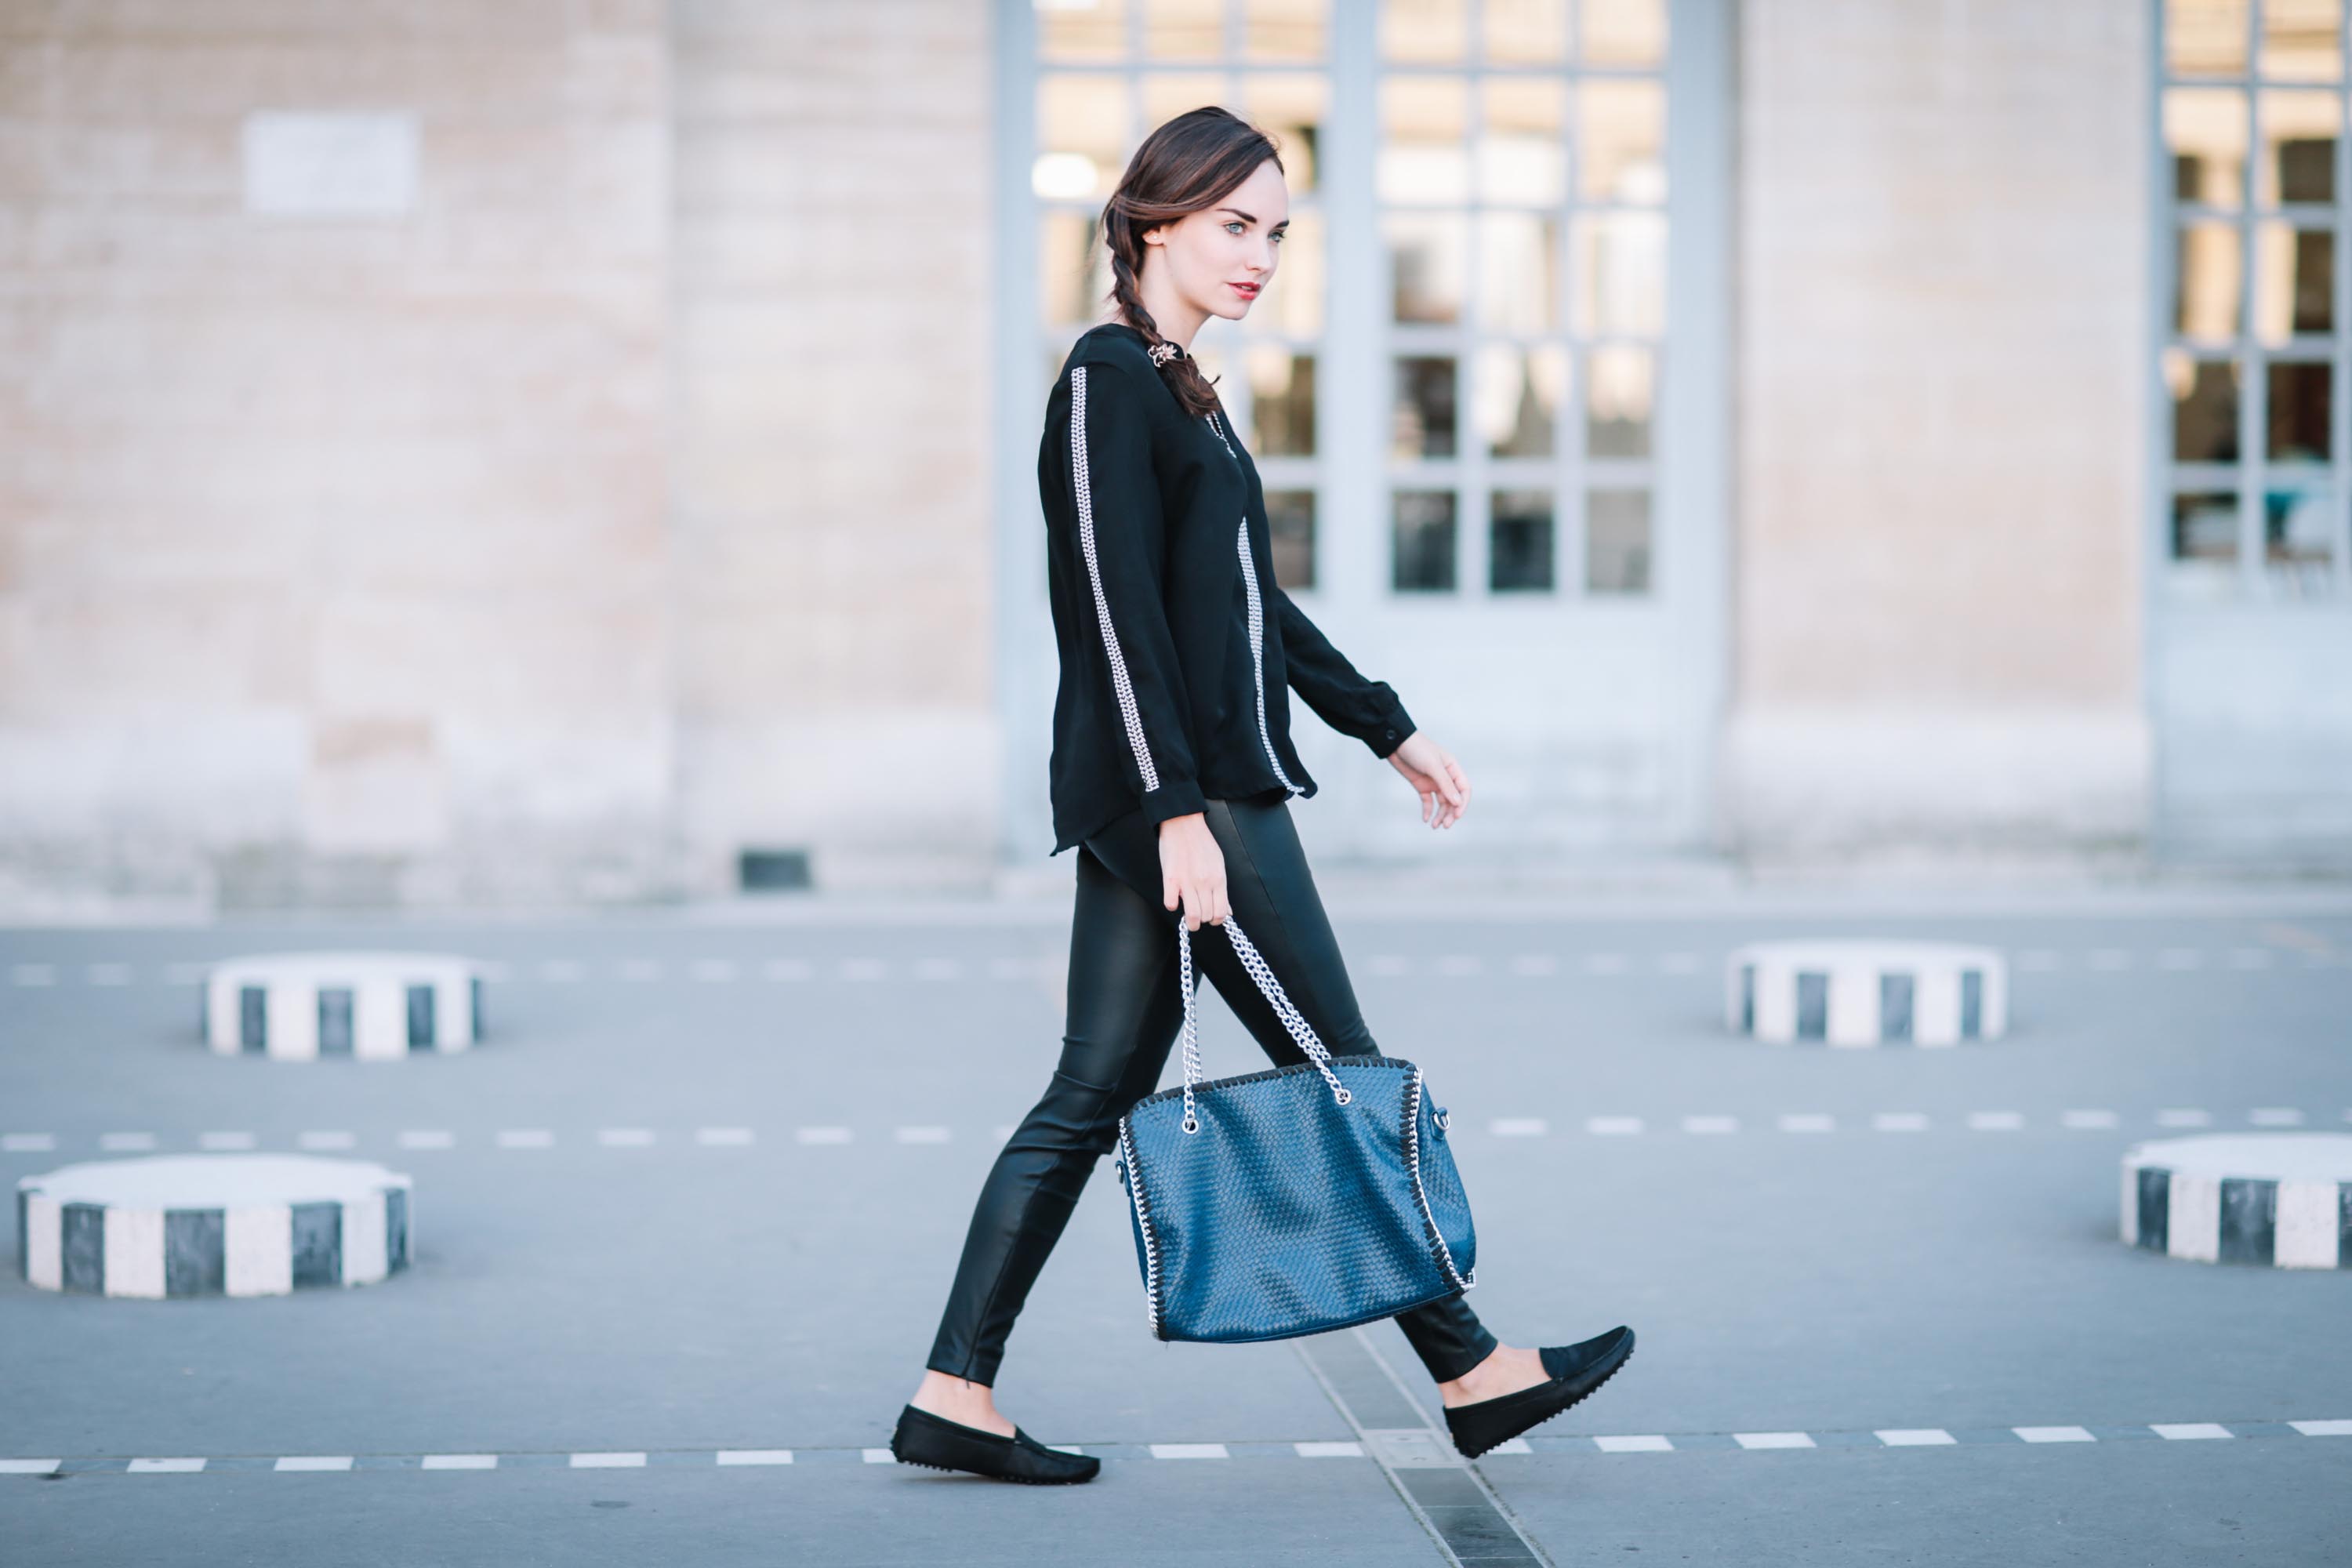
1171 771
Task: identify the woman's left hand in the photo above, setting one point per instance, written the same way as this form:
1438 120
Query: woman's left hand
1431 769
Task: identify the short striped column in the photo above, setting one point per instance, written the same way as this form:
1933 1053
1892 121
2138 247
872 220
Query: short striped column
211 1224
1861 993
2283 1199
376 1006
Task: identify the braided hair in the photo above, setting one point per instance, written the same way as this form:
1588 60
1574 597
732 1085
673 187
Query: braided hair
1185 166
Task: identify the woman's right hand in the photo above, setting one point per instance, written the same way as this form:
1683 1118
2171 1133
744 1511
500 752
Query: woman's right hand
1193 867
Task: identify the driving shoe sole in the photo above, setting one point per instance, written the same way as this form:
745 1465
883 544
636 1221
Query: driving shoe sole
936 1443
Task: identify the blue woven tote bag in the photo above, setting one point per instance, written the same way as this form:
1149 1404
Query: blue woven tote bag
1292 1201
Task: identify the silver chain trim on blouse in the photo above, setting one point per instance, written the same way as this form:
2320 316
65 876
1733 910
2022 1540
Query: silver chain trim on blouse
1257 653
1118 680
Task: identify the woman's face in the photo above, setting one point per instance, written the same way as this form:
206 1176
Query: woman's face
1221 259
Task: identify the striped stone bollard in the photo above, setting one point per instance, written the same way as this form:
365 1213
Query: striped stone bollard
211 1224
376 1006
2279 1198
1862 993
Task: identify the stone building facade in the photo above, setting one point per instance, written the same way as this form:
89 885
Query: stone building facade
550 451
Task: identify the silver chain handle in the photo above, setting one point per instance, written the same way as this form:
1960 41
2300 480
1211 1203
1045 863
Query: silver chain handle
1292 1019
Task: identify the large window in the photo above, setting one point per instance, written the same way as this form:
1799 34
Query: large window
2256 354
1496 222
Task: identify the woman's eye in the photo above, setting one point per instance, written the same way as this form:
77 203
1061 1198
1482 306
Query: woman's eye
1277 238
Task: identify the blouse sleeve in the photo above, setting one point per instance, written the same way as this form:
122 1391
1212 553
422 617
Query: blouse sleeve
1371 710
1123 536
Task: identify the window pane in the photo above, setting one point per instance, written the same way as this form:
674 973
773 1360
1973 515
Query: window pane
1282 386
1291 110
2205 543
1081 137
2300 40
1617 541
1429 32
1620 394
1073 269
1620 141
1422 542
1424 127
1518 260
2298 153
1092 32
1294 304
1519 392
1620 273
2299 529
2206 37
1526 32
1623 32
1522 157
1422 422
1183 29
2300 412
1427 254
2204 408
1519 548
1290 515
2295 290
1167 96
2206 303
2205 130
1284 29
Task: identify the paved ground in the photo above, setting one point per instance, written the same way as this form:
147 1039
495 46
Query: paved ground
684 1222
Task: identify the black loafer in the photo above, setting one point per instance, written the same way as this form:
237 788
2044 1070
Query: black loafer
1575 1371
923 1438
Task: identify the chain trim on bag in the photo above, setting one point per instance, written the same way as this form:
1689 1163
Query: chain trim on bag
1292 1020
1143 1224
1420 1194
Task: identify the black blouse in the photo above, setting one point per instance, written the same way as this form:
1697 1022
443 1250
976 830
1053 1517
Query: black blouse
1176 642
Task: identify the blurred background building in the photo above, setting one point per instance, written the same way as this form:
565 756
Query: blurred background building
504 450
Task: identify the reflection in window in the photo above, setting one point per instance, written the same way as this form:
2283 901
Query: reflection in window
1183 29
1290 515
1525 32
1421 544
1291 110
2300 40
1424 32
1519 552
2299 542
1521 159
2295 289
2298 154
1167 95
1617 541
1621 142
2205 303
1282 393
1422 423
1276 30
1097 31
2204 408
1620 274
2205 543
1519 259
1081 137
2205 131
1427 257
1425 131
1620 396
2301 421
1622 32
2205 37
1520 393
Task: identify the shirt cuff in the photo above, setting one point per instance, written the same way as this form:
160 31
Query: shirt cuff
1177 797
1391 732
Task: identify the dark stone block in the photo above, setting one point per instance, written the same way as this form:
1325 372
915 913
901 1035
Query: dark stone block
773 871
24 1233
2343 1225
1895 993
82 1240
2249 1220
1442 1487
474 1001
334 1020
395 1229
2154 1208
1812 1006
1746 998
318 1244
195 1252
252 1018
1973 1003
420 1017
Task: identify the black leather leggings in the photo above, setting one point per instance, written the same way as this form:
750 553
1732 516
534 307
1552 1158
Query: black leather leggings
1125 1011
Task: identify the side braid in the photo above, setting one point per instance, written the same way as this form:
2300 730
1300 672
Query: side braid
1179 370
